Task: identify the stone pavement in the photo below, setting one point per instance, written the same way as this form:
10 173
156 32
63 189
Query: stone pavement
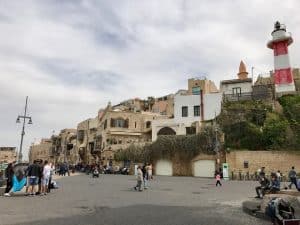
111 199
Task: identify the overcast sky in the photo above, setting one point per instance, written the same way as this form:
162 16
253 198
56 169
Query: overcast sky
72 57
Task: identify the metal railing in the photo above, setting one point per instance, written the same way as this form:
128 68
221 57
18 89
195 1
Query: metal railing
246 176
247 96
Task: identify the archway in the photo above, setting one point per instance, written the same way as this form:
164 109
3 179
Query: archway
166 131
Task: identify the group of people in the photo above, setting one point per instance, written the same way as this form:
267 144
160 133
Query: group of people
37 178
144 176
273 185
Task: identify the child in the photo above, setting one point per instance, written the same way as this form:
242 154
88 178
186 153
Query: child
218 179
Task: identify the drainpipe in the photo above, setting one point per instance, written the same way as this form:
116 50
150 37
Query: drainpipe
201 105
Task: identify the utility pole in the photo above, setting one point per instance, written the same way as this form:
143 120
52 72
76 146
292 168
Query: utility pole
24 117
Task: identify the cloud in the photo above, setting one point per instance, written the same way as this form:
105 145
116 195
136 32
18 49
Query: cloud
72 57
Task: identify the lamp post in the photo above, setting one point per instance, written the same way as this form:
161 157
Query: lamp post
24 117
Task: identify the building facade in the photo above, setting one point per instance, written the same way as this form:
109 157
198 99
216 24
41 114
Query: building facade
190 111
64 147
237 89
8 154
87 141
119 129
41 151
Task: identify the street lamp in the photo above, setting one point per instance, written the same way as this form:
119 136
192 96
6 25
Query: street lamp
24 117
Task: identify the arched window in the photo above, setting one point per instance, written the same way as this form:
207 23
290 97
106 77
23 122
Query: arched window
148 124
166 131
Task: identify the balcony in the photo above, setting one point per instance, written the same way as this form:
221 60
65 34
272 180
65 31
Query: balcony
258 95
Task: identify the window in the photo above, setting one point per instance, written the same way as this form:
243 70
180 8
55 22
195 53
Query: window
197 110
134 124
184 111
80 135
105 124
119 122
148 124
190 130
237 91
196 90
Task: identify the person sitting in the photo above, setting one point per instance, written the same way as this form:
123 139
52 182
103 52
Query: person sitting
275 184
264 186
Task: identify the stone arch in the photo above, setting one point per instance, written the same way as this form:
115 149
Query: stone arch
166 131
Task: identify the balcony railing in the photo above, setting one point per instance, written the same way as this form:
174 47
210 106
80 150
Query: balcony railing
247 96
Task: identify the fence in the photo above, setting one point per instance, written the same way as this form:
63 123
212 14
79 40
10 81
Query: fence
258 95
254 177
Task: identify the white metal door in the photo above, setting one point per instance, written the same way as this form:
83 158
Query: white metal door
204 168
164 167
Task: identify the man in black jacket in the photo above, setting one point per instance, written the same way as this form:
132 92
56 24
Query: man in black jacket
9 173
33 174
264 185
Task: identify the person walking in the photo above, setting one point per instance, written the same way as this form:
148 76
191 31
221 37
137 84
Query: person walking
50 178
218 179
149 172
293 177
145 177
9 173
139 179
46 178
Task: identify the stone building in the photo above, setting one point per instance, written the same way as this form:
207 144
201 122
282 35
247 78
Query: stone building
164 105
64 147
8 154
118 129
197 84
87 140
41 151
237 89
191 109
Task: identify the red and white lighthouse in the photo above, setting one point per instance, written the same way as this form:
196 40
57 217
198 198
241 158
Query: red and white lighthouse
283 77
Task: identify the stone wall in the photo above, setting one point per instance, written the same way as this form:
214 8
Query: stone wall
186 167
8 154
271 160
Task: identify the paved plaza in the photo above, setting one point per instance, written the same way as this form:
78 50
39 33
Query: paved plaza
111 199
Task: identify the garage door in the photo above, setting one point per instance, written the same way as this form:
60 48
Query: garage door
204 168
164 167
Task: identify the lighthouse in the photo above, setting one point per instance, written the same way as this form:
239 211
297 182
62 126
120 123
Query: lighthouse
283 77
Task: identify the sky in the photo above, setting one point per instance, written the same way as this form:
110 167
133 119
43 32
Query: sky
72 57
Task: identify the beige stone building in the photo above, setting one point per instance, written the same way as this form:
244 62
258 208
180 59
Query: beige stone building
118 129
41 151
64 147
197 84
164 105
87 140
8 154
